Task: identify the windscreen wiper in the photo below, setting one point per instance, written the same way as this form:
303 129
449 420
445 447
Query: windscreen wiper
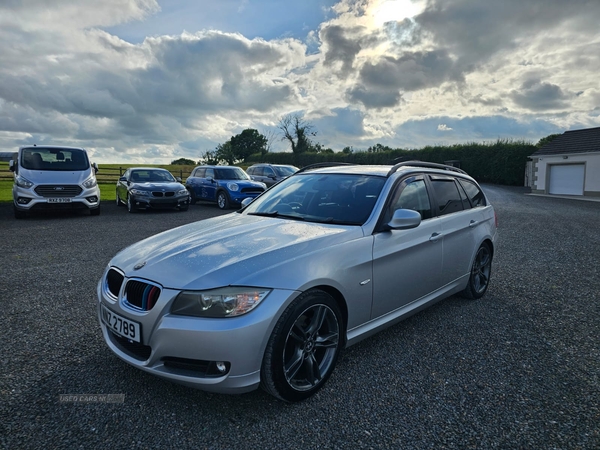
276 214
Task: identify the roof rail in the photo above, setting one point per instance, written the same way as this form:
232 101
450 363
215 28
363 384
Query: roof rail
428 165
323 164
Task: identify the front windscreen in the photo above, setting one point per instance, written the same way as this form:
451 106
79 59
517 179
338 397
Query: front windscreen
327 198
40 158
152 176
231 173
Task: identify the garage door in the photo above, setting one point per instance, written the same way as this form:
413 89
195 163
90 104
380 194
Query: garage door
566 179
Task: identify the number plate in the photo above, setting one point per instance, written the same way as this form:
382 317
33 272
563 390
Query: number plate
59 200
120 325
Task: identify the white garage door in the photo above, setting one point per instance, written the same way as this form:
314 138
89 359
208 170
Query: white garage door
566 179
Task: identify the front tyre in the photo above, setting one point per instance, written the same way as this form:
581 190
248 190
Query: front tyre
119 203
303 348
130 206
481 271
222 200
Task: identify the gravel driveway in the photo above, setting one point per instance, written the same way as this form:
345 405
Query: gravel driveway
518 369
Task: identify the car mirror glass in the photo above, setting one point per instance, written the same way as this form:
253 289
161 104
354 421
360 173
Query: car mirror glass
404 219
178 179
246 201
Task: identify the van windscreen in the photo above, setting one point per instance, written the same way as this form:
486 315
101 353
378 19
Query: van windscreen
40 158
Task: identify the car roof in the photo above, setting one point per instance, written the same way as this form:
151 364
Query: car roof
388 170
148 168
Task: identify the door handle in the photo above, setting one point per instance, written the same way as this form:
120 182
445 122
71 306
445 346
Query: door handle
435 237
473 223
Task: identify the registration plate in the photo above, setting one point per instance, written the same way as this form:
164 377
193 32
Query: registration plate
59 200
120 325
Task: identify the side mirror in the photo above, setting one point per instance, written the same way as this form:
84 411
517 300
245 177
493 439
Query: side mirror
246 201
11 165
124 179
404 219
95 166
178 179
211 179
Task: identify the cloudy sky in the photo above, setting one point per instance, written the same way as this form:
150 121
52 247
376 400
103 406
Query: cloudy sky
154 80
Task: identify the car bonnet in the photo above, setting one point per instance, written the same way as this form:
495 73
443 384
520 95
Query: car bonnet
226 250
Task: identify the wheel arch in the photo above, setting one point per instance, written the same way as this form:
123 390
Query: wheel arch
340 301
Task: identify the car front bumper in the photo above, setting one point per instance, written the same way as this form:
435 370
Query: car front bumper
29 200
146 202
186 349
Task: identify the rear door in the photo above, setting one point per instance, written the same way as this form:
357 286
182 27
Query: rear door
458 221
407 264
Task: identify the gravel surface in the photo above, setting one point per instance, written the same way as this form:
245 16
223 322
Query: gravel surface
516 369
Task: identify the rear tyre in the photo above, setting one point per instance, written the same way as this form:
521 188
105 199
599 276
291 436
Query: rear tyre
303 348
119 202
223 200
481 270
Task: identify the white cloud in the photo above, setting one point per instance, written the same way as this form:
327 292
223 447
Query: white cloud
376 69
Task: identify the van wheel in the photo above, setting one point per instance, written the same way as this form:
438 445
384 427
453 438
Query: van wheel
19 214
95 211
303 349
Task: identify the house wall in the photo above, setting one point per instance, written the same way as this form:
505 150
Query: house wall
591 183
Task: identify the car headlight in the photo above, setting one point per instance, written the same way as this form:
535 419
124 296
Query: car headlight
141 193
90 183
233 187
23 182
224 302
182 192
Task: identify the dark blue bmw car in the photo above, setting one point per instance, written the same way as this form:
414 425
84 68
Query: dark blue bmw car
225 185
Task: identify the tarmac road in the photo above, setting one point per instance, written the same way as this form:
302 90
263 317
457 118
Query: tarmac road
517 369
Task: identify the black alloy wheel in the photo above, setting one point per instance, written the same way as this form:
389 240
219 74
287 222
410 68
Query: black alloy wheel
481 272
303 349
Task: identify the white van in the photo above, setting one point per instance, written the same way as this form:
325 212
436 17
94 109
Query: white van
53 177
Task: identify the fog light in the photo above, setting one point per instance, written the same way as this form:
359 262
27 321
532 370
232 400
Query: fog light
221 366
92 199
23 200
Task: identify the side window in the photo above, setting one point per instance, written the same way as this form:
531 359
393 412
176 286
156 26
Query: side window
473 192
126 174
447 196
268 172
250 170
463 197
411 194
258 171
210 173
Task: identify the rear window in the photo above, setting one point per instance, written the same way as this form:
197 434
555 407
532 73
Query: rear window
59 159
475 195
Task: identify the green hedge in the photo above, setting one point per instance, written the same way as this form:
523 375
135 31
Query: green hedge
502 162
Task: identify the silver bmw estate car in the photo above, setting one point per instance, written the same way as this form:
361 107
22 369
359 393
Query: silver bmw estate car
269 295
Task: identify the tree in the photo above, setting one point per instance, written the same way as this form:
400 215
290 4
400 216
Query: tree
183 162
247 143
297 132
546 140
224 152
347 150
210 158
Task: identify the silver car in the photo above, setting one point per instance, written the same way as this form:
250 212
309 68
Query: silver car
269 295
